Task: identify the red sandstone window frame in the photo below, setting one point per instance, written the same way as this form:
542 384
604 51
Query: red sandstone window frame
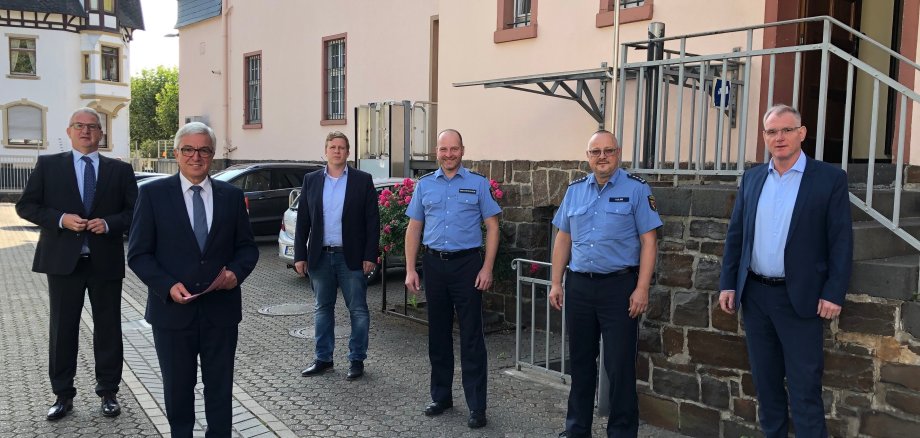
505 29
248 121
606 13
326 116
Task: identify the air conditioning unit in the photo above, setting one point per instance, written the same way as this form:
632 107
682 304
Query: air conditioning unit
202 119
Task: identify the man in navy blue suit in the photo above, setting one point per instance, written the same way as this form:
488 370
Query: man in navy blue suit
193 265
338 228
788 256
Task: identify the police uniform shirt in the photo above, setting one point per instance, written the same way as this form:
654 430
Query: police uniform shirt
452 209
605 224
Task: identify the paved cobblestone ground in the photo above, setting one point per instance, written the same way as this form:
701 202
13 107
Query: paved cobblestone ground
270 397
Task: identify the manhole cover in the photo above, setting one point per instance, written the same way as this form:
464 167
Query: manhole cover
307 332
286 309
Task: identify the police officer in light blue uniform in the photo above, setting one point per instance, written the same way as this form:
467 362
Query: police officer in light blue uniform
451 204
607 224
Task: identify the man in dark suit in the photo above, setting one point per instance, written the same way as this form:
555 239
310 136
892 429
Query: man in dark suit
788 255
83 203
338 227
192 245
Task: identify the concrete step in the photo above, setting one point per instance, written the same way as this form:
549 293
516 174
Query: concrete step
883 175
883 202
891 277
872 240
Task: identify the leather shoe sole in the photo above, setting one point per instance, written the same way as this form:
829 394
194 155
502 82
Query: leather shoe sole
437 408
317 367
110 407
477 420
60 409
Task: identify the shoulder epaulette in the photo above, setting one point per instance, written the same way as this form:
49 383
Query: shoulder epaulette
427 174
582 179
637 178
477 173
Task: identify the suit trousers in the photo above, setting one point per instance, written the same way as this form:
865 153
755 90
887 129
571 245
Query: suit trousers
449 287
596 308
781 344
178 352
65 298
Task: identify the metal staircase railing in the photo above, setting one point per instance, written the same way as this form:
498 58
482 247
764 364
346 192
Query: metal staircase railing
713 140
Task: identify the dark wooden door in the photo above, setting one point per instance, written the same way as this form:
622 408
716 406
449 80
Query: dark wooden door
848 12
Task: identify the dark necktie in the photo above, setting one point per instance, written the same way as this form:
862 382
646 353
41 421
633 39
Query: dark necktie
199 220
89 184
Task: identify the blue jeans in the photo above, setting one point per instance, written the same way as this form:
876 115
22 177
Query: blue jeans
327 278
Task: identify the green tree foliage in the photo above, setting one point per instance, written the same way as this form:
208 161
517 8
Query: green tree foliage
145 112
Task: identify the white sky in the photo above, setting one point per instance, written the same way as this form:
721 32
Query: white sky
149 47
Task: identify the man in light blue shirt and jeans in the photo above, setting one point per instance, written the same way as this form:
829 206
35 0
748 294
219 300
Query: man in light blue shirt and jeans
338 228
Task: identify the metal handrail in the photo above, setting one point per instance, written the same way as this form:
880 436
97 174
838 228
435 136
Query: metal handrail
522 279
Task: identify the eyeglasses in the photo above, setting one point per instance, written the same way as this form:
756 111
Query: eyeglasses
188 151
606 151
91 126
774 132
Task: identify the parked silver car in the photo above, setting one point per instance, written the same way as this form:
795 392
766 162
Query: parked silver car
289 224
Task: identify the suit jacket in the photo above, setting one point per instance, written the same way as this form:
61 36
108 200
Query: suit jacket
360 220
819 249
52 191
162 251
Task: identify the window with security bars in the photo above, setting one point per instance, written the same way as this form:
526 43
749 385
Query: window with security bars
22 56
335 80
110 68
254 89
521 13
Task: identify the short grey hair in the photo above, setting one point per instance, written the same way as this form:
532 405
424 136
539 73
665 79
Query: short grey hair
780 109
90 111
193 128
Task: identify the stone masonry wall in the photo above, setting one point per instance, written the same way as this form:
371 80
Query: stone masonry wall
694 375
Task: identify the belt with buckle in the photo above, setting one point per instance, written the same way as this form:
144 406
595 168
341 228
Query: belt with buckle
333 249
601 276
450 255
769 281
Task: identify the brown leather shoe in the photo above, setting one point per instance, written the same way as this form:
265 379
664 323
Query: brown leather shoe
60 409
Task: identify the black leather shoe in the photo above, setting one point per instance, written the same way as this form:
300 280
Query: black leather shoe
563 434
60 408
437 408
110 406
317 367
356 370
477 419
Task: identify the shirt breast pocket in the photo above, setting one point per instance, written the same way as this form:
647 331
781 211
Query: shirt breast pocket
468 201
619 223
580 223
432 201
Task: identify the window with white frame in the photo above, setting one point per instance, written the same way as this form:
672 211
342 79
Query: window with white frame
22 56
335 80
104 123
521 13
24 125
110 64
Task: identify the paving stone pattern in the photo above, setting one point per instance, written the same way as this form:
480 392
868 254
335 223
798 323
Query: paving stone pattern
270 396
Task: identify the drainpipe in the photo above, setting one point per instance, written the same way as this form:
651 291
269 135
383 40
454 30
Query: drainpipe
615 62
228 149
655 53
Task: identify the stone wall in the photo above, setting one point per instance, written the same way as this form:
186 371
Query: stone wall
694 375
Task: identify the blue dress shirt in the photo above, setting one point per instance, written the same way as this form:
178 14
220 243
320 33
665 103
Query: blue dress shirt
452 209
333 203
605 222
774 214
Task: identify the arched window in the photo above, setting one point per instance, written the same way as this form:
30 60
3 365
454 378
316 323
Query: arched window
24 124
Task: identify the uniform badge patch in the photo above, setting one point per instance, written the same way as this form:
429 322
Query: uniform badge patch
471 191
651 203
